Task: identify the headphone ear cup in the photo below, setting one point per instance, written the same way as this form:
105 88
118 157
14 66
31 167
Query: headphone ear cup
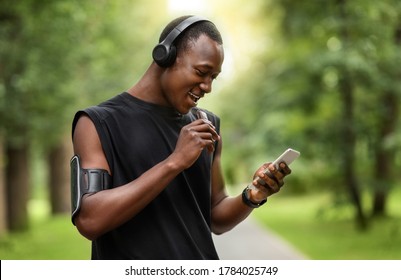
165 53
172 54
164 57
160 54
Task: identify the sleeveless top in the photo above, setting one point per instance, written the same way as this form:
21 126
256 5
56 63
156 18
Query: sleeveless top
135 136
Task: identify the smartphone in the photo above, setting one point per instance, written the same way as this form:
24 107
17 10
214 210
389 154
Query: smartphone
288 157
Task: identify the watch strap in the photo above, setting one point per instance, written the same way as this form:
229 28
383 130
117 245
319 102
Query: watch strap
248 202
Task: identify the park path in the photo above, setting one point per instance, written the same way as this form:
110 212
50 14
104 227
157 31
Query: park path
244 243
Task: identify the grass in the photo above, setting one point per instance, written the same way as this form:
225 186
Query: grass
322 233
308 222
48 239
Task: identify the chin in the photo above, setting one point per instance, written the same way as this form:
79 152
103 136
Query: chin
184 112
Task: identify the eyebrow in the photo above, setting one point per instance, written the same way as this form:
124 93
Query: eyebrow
209 67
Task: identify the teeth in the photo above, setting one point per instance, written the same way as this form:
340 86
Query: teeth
194 97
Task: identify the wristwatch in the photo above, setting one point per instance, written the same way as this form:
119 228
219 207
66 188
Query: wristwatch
247 201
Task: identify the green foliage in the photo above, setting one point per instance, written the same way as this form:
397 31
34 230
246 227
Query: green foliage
311 223
291 96
326 231
55 58
48 238
59 56
34 75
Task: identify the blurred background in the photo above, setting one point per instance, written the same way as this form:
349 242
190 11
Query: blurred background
320 76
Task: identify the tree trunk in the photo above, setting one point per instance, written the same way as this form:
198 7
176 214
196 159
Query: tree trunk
3 207
348 134
17 185
59 177
349 140
384 158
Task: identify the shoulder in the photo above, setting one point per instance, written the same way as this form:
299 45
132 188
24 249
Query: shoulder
87 144
84 130
85 119
98 113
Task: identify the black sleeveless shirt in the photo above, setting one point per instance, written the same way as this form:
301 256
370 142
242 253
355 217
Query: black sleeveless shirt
135 136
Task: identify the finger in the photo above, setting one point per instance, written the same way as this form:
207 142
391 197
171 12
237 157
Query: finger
206 136
285 168
207 126
211 145
212 139
201 139
207 140
272 179
272 172
210 136
214 135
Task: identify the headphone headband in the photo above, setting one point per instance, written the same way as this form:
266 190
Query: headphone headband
180 28
165 52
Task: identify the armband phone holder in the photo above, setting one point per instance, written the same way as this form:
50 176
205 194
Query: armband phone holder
85 181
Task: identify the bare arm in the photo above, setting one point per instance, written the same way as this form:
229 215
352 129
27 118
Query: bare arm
227 211
124 202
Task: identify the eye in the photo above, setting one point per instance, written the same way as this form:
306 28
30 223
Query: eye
200 73
206 74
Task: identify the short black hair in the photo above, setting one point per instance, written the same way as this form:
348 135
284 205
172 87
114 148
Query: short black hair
192 33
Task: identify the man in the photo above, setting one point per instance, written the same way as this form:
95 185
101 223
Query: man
148 182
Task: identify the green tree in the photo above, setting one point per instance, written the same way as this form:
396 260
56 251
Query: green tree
56 57
327 85
13 103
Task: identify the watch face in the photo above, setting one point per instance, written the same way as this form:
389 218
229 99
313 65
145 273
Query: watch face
247 190
250 203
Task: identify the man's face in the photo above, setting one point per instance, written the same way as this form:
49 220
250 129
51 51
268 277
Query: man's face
192 74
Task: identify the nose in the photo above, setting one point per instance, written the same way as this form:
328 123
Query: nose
206 85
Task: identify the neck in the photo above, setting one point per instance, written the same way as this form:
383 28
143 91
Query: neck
148 87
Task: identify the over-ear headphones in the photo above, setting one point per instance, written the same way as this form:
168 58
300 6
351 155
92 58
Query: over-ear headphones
165 52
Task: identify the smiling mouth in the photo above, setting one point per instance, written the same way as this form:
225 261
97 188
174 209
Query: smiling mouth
194 97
